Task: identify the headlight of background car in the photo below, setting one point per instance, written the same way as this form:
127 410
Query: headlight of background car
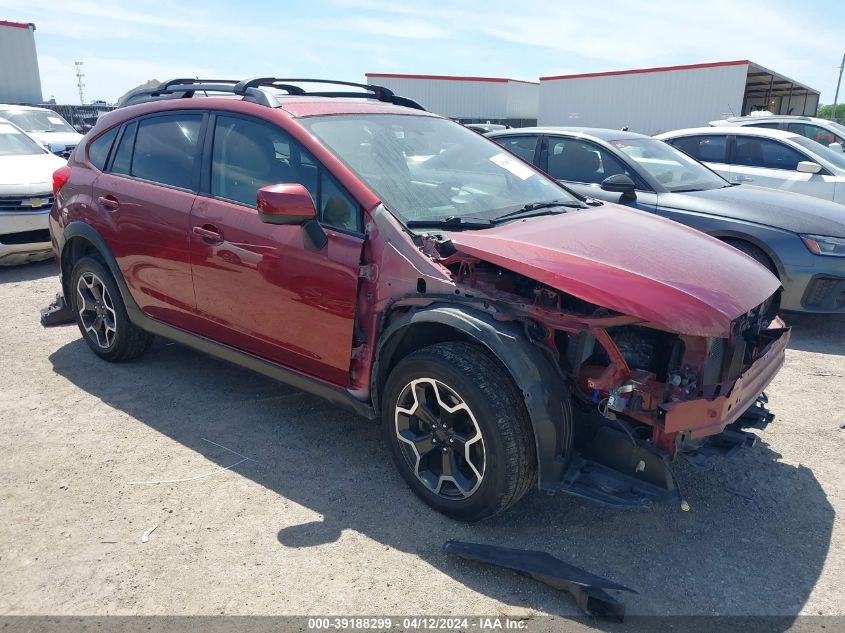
824 245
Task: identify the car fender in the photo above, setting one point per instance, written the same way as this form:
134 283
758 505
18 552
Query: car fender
545 394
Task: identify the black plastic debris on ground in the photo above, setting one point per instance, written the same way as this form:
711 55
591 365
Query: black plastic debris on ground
587 589
57 313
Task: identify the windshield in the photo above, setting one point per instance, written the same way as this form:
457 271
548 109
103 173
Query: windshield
670 167
13 142
38 121
425 168
837 159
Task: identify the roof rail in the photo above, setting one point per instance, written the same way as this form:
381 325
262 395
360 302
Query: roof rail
378 92
250 89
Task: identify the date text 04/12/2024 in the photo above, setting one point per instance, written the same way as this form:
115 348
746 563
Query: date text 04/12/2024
416 623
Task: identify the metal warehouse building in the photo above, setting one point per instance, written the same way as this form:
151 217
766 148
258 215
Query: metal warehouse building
19 78
652 100
468 99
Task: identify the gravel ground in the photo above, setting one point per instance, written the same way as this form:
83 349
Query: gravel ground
317 521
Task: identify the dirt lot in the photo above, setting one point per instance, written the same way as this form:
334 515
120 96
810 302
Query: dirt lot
317 521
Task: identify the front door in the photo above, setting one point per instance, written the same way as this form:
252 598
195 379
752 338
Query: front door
582 165
769 163
146 192
264 288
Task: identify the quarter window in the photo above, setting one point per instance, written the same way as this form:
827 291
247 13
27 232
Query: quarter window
578 161
707 149
762 152
250 154
166 149
99 148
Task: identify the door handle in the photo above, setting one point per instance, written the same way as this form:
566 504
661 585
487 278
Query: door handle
109 203
208 232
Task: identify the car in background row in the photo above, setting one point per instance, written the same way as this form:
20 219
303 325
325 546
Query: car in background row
799 238
45 126
828 133
766 158
26 177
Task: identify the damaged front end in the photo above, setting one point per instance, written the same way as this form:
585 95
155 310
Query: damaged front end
649 393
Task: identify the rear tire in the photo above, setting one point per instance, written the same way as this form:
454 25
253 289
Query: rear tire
458 431
101 314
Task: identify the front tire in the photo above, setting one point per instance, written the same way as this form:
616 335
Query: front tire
101 313
458 431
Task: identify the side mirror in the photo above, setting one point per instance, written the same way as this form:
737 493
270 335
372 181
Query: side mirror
57 148
836 147
620 183
290 204
809 167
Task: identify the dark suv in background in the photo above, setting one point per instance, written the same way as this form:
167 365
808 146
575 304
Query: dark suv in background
357 247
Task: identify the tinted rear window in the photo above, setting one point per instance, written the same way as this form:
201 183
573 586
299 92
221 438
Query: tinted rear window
166 149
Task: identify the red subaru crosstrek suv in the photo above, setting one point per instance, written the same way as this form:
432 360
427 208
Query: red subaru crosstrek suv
507 332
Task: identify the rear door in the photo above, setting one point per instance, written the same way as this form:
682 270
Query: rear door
145 195
264 288
774 164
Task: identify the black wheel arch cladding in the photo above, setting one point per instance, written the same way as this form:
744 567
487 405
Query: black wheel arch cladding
545 395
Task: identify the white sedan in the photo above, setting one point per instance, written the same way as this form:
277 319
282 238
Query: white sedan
768 158
26 194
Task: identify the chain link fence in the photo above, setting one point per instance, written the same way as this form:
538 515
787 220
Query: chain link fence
81 117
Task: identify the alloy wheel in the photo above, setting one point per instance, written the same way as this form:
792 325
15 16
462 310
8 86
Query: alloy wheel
96 310
440 438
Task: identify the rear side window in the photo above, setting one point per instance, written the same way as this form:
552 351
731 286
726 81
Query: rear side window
707 149
815 132
166 149
522 146
122 160
762 152
99 148
771 125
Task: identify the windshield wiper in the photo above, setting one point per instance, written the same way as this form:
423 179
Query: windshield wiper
452 221
529 210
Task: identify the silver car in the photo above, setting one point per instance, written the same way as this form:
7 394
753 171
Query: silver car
828 133
799 238
768 158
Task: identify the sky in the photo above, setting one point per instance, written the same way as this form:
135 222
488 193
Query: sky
124 44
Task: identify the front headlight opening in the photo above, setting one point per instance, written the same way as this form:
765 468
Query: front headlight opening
825 245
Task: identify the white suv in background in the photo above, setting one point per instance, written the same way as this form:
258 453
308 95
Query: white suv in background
767 158
819 130
26 194
45 126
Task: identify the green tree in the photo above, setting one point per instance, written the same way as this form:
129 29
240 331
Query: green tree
826 112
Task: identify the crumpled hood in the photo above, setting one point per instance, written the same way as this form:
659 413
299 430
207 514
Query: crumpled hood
631 262
781 209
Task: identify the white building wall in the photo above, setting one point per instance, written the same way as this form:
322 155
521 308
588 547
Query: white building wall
20 81
523 100
453 98
645 102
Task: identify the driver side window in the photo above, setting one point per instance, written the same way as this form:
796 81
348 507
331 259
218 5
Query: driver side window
248 154
580 161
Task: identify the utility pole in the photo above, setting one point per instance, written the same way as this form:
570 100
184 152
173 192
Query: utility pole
79 83
838 81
